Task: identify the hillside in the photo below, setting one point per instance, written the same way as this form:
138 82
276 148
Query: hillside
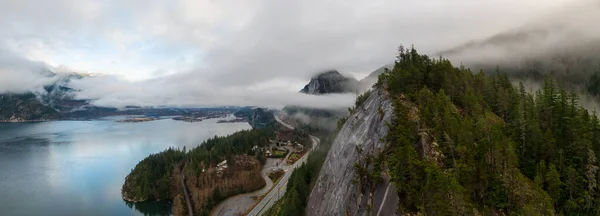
563 45
24 107
46 103
157 176
459 143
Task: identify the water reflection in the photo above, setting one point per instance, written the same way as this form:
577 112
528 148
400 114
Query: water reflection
78 167
151 208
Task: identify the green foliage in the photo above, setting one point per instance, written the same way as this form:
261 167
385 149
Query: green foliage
362 98
152 178
593 85
498 149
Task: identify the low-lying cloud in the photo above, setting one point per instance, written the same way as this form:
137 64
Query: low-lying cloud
19 75
568 32
255 52
111 91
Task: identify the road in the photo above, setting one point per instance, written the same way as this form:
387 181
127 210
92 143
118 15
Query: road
185 193
241 203
280 188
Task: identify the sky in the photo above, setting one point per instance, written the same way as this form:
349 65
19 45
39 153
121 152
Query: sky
226 52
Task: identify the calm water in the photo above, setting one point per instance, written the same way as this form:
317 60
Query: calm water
78 167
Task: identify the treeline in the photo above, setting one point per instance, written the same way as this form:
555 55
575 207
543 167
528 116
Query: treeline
466 143
155 176
151 179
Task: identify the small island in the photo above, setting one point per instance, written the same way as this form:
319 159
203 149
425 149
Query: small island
138 119
187 118
233 120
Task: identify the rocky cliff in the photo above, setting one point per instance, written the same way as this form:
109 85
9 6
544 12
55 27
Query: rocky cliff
334 192
330 82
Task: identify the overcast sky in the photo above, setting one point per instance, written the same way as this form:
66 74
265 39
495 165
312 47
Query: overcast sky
203 52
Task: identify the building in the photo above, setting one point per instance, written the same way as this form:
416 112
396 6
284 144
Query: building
222 166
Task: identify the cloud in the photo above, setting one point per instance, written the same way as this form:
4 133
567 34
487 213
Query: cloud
111 91
567 31
255 52
19 75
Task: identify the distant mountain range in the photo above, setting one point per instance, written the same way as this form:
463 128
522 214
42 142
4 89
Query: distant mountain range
57 101
46 103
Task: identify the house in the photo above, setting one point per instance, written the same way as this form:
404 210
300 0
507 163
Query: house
222 166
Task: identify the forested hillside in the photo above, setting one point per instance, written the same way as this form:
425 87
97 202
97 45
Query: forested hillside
157 177
464 143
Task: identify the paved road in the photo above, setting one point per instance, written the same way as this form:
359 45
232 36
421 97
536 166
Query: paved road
185 193
241 203
280 188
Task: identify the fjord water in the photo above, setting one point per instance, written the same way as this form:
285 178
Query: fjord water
78 167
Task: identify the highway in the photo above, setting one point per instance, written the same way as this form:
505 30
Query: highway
279 189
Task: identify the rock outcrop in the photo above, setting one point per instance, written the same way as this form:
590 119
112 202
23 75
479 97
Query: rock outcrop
330 82
334 192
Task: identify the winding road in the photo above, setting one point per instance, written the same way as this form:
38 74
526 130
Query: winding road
280 188
239 204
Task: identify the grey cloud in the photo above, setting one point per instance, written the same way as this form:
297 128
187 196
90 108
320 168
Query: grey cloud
110 91
18 75
570 30
242 44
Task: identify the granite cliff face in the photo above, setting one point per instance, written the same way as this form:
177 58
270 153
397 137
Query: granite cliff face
330 82
334 192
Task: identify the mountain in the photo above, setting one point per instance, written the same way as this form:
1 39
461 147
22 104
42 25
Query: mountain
417 145
46 103
564 46
330 82
24 107
367 82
